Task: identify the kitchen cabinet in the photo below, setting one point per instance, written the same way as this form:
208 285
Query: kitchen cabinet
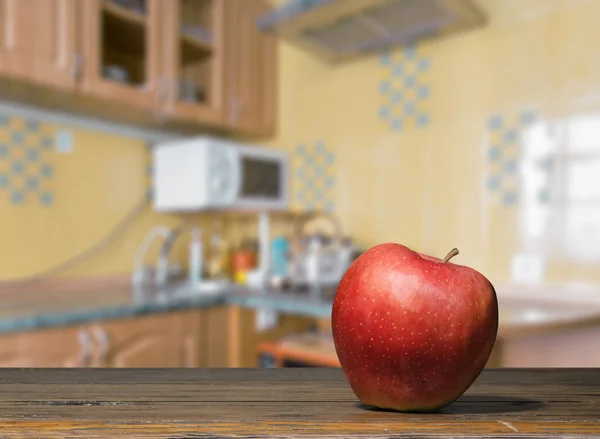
120 52
16 50
251 59
180 64
38 42
62 347
164 56
173 339
216 336
245 339
193 59
162 340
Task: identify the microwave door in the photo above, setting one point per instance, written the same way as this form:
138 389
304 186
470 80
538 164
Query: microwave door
261 181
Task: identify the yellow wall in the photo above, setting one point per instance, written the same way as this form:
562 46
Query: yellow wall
431 187
79 196
426 184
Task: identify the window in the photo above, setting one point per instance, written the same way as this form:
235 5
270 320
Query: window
560 177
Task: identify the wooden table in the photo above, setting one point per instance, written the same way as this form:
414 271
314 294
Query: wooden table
307 402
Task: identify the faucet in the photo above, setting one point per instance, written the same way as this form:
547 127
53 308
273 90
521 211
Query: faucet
161 275
141 273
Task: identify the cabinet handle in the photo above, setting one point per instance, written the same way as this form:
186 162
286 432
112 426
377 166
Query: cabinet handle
236 109
104 341
86 349
77 66
163 90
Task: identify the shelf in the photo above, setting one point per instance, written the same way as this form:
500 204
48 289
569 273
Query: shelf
193 49
124 14
124 30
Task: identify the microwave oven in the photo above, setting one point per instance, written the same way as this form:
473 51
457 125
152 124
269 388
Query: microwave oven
209 173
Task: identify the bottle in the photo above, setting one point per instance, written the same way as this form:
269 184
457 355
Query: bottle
243 260
280 248
196 257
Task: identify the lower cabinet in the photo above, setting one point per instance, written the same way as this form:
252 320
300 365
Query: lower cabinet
162 340
219 336
159 340
247 339
63 347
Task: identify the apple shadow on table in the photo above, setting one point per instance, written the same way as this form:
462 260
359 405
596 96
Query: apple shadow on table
480 404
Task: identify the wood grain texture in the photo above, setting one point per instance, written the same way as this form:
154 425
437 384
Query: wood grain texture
306 402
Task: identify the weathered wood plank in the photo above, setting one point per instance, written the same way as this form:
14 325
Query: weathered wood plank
307 402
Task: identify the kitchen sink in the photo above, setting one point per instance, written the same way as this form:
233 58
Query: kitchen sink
204 288
177 290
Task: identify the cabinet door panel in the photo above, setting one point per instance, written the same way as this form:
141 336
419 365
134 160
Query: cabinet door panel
164 340
16 45
121 47
147 350
37 41
55 57
251 69
193 59
64 347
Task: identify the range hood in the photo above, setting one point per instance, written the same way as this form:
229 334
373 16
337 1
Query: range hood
342 29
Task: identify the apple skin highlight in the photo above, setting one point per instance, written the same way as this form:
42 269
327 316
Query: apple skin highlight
412 332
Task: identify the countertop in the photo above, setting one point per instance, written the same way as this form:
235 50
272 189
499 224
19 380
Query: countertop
305 402
523 309
41 308
534 308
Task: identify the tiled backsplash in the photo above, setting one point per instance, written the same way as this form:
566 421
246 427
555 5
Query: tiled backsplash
504 155
26 161
314 176
404 88
487 141
62 189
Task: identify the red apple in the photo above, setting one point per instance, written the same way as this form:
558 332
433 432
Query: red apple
412 332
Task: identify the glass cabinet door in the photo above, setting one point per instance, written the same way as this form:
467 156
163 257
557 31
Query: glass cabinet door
193 58
121 50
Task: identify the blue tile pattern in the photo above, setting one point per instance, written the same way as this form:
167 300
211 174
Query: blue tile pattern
32 125
46 170
314 177
26 153
32 183
47 143
503 157
32 155
17 196
404 89
47 199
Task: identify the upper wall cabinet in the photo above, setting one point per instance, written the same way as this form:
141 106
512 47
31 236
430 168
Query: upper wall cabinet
196 64
192 62
251 69
120 47
38 41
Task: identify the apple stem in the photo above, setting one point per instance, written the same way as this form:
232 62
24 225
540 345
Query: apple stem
450 255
